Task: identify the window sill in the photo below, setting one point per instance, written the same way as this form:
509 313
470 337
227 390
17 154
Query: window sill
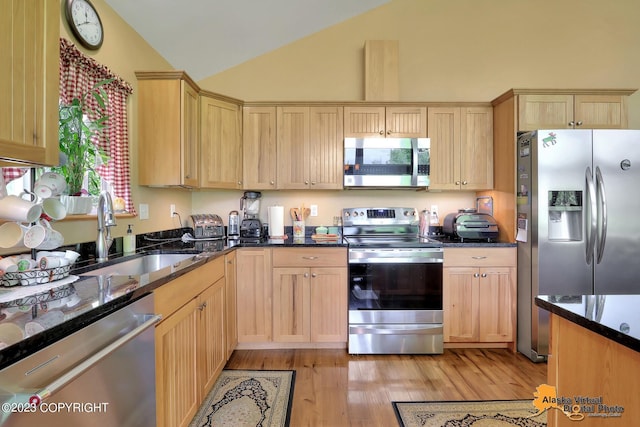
93 217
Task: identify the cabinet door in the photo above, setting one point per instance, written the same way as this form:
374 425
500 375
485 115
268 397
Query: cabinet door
293 147
329 305
221 144
326 148
363 122
29 59
189 144
231 327
406 122
259 148
545 112
210 347
291 302
444 132
176 367
254 292
600 111
460 304
497 304
476 148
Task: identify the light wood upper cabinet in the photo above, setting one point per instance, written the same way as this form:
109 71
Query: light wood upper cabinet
220 143
29 59
168 134
309 147
385 122
565 110
479 295
461 148
259 148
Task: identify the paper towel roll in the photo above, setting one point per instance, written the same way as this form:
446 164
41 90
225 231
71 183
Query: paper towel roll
276 221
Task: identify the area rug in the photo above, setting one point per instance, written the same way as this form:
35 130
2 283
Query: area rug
496 413
242 398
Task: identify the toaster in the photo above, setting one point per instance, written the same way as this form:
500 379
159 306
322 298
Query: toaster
207 226
469 224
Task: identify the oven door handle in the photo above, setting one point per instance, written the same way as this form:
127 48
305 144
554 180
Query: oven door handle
422 329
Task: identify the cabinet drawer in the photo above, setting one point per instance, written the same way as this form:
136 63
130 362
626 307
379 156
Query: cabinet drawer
173 295
480 257
310 257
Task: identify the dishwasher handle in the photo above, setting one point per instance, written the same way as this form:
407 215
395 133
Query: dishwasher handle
83 366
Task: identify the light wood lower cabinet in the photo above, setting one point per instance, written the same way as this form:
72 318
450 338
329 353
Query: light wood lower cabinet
190 342
304 303
479 297
253 295
231 322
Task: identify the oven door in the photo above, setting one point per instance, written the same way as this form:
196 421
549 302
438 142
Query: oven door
395 301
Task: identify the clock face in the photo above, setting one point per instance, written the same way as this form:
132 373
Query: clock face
85 23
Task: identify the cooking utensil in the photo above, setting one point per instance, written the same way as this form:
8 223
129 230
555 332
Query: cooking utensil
295 214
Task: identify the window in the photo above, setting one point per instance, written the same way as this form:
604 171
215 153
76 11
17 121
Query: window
78 75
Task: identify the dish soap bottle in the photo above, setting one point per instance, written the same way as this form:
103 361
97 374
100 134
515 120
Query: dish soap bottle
129 241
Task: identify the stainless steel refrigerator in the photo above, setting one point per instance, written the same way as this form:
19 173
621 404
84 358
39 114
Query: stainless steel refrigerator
578 207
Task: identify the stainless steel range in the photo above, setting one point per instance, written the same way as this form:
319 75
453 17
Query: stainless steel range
395 283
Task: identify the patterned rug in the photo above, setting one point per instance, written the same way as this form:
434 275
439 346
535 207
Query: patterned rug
497 413
241 398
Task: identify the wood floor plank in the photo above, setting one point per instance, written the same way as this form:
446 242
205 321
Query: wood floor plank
335 389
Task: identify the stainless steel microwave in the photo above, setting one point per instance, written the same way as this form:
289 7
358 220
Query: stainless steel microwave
386 162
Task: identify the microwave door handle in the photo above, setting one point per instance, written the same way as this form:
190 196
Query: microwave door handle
414 161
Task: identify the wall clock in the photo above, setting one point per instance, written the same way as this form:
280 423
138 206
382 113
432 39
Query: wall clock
85 23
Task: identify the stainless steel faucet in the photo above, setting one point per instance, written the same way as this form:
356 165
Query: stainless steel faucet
106 220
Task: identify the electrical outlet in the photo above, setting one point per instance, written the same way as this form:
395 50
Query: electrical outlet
434 209
172 209
144 211
314 210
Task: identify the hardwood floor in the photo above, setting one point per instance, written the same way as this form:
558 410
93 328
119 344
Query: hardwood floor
335 389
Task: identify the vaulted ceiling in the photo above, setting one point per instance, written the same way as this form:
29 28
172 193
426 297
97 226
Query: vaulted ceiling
205 37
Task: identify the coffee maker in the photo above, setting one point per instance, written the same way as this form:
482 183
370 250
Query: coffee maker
251 227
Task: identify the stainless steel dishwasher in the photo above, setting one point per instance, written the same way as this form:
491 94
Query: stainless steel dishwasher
104 375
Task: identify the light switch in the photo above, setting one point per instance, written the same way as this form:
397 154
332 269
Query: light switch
314 210
144 211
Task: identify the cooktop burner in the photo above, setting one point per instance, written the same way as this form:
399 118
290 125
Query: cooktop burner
396 241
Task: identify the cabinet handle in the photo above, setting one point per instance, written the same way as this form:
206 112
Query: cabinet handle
313 183
464 182
478 257
202 306
476 274
309 257
313 274
579 123
388 132
272 183
306 274
381 132
483 275
239 182
306 182
571 123
187 176
457 182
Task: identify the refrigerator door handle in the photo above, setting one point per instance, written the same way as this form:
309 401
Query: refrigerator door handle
601 237
592 225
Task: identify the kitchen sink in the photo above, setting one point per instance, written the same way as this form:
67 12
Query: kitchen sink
145 264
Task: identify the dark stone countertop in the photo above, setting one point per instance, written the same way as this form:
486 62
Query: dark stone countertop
86 300
615 317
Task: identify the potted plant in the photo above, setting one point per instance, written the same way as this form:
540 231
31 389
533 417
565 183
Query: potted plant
79 154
